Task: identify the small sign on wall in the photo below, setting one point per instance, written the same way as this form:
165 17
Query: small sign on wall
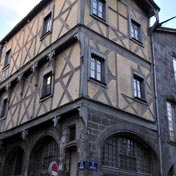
93 165
88 165
81 165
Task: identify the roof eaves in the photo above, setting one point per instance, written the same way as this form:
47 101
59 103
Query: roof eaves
166 30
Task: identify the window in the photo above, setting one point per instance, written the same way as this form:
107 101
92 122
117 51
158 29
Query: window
4 108
135 30
45 152
14 164
47 23
97 70
0 50
174 66
7 58
99 8
138 87
126 154
72 132
171 112
47 84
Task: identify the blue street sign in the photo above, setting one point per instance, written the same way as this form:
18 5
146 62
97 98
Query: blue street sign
81 165
93 165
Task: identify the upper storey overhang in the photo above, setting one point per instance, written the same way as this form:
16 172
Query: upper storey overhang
148 6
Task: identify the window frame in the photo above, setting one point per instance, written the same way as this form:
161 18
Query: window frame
171 120
1 47
103 73
71 129
136 23
116 155
4 108
45 24
44 93
7 58
139 90
174 67
104 10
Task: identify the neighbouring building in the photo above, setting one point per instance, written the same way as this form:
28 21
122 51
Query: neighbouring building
77 88
165 70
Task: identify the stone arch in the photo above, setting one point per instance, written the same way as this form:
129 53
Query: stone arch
134 134
43 153
15 162
38 135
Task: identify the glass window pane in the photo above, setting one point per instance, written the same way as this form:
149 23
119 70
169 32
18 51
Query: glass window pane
99 67
92 73
92 64
49 80
174 66
98 76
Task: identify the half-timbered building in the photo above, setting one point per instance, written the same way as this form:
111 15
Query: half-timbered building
77 88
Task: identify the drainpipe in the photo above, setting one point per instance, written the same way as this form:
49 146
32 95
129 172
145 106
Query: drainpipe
156 96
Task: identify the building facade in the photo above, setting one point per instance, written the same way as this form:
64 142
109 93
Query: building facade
165 66
77 88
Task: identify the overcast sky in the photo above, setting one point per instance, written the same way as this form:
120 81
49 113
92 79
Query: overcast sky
12 11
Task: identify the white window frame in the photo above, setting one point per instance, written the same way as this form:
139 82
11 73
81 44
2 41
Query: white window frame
99 68
95 11
174 67
138 84
136 31
171 121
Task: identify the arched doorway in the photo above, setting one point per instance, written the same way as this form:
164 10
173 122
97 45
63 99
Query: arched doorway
125 155
14 163
44 152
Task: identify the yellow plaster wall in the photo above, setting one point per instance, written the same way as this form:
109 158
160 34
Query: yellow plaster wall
27 43
119 89
117 26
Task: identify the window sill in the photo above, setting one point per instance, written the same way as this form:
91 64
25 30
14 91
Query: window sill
5 67
104 21
43 36
45 97
137 42
103 84
141 100
171 142
2 118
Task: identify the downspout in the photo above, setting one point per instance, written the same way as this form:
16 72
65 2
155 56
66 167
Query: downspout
156 96
157 112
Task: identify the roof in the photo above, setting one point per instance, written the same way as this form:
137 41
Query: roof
149 6
166 30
